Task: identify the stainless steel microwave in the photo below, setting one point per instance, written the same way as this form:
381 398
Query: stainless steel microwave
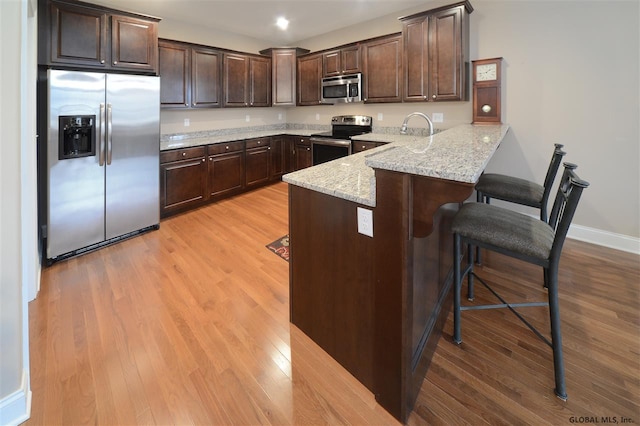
342 89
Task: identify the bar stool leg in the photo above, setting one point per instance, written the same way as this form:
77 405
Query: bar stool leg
556 333
457 283
479 199
470 293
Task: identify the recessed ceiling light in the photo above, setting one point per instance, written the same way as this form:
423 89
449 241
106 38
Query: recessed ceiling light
282 23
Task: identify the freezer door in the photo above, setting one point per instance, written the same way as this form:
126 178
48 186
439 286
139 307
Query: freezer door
132 153
75 216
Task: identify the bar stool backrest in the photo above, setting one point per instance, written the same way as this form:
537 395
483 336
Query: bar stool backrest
552 171
564 206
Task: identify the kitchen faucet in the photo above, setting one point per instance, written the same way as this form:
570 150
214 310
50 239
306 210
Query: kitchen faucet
403 129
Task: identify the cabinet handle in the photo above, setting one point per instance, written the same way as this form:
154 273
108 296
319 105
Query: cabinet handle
259 142
115 62
203 160
364 147
434 96
102 61
308 149
210 159
269 148
226 147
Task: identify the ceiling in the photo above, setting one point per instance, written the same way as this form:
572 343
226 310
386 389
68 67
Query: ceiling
256 18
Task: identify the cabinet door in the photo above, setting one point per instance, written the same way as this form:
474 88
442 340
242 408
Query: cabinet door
134 44
175 78
236 80
226 173
446 55
350 60
257 164
206 81
182 185
78 35
284 77
331 63
383 70
260 81
278 160
303 154
309 79
289 153
416 59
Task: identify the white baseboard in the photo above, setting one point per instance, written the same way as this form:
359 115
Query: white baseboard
16 408
604 238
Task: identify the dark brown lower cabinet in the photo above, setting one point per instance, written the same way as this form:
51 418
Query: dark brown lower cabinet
302 153
257 161
226 169
191 177
183 180
277 157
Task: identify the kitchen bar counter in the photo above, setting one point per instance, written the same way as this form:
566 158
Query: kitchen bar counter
458 154
377 304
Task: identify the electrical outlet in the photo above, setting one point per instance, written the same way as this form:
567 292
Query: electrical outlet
186 122
247 118
280 116
380 116
317 116
437 117
365 221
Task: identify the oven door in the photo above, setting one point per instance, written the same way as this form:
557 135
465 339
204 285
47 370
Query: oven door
328 149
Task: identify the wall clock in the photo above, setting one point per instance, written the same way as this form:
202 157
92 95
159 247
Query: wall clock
487 76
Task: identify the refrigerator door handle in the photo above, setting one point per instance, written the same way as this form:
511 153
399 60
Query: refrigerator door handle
101 139
109 133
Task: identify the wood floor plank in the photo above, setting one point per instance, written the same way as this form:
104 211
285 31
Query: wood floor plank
190 325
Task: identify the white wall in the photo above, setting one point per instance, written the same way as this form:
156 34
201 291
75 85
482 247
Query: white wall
18 247
570 76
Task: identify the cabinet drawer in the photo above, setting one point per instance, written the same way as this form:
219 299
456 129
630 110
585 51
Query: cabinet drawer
302 141
359 146
181 154
221 148
256 143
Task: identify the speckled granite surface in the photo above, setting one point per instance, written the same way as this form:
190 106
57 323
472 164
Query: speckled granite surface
460 153
186 140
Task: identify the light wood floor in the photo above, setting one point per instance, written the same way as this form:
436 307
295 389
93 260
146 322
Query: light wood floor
190 325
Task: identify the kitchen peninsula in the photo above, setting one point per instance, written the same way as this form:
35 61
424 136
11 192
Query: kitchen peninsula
377 304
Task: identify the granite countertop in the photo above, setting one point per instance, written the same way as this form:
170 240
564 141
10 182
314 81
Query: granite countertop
460 153
213 137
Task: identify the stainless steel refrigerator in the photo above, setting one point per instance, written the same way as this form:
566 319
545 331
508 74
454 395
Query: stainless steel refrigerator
103 147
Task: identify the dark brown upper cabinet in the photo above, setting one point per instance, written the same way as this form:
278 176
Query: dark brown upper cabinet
283 74
247 80
436 54
309 79
79 35
175 74
206 78
341 61
382 74
191 75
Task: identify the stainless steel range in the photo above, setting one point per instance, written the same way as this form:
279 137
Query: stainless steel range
337 143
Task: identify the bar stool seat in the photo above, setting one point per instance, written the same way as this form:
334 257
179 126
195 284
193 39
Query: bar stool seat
520 191
506 230
522 237
513 189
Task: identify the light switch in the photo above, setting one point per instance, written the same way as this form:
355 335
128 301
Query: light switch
186 122
247 118
380 116
437 117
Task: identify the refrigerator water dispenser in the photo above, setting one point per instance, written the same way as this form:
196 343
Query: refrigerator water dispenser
77 136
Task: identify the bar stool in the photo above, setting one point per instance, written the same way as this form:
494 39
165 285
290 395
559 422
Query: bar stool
522 237
519 191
